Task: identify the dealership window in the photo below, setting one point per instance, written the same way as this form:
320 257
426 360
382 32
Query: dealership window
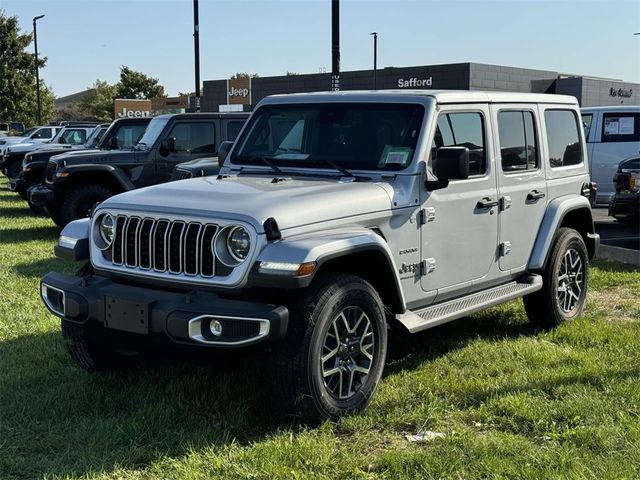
563 138
587 118
518 148
197 137
620 127
463 129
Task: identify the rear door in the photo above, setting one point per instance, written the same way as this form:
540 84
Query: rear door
522 189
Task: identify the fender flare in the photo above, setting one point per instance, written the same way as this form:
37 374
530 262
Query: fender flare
557 210
322 247
116 173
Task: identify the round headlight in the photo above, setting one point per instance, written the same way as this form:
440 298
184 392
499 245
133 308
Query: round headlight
239 243
107 229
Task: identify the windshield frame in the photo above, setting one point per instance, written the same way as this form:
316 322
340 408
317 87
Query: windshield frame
240 159
151 134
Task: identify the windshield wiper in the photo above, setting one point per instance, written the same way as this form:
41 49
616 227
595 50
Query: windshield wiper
265 160
340 168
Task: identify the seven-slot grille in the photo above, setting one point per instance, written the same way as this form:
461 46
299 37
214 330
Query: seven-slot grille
164 246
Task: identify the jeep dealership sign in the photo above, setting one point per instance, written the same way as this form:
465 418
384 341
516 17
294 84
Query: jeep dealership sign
130 108
239 91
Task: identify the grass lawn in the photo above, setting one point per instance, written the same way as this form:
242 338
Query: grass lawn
510 401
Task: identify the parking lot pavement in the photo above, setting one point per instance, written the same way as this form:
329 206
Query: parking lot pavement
614 233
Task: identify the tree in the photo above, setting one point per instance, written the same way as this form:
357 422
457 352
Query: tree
99 100
137 85
17 77
244 75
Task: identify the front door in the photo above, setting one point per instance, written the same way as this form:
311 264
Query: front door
521 184
460 228
193 139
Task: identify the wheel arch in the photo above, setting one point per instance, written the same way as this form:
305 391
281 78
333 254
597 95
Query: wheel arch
362 252
571 212
110 177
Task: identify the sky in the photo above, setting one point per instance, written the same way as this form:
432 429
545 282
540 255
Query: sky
85 40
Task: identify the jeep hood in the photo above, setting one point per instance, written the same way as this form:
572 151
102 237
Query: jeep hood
292 202
77 157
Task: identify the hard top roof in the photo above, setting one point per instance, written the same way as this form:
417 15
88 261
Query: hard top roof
440 96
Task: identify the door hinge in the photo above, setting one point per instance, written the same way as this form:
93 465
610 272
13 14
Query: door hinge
427 215
428 266
505 202
505 248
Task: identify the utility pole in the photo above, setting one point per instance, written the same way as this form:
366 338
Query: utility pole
335 45
35 43
196 47
375 59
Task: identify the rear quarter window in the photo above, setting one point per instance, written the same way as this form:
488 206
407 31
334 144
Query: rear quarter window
563 138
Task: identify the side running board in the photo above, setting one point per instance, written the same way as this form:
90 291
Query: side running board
440 313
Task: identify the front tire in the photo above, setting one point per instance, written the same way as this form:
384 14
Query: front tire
332 359
79 202
565 282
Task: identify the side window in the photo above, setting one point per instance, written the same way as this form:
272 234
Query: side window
464 129
43 133
518 145
587 120
563 138
128 135
233 129
194 137
620 127
74 137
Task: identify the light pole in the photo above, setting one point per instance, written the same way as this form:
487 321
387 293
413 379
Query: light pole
375 59
335 45
196 47
35 43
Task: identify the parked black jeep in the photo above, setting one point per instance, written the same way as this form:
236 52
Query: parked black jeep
74 184
121 134
625 203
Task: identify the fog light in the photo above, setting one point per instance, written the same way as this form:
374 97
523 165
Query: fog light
215 327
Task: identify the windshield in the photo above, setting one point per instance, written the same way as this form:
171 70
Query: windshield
153 131
95 137
365 136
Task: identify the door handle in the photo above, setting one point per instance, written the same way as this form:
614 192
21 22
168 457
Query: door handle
486 202
535 195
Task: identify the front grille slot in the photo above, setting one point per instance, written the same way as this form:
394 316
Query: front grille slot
117 241
159 245
174 254
207 261
131 242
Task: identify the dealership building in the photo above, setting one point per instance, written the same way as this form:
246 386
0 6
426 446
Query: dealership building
243 93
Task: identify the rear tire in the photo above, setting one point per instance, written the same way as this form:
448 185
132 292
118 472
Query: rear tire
79 202
331 361
565 282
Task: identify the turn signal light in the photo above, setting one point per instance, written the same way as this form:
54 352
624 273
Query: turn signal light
633 182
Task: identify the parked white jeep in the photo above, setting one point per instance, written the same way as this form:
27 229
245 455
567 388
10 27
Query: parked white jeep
337 220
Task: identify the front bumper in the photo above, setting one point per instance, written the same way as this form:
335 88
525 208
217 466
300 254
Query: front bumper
17 184
625 206
184 318
41 195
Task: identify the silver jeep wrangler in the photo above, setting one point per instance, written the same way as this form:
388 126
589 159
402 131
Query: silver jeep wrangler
337 220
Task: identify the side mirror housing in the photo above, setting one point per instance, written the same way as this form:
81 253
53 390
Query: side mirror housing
223 151
451 163
113 143
62 140
167 145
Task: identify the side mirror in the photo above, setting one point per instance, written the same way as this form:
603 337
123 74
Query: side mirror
113 143
167 145
451 163
223 151
62 140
